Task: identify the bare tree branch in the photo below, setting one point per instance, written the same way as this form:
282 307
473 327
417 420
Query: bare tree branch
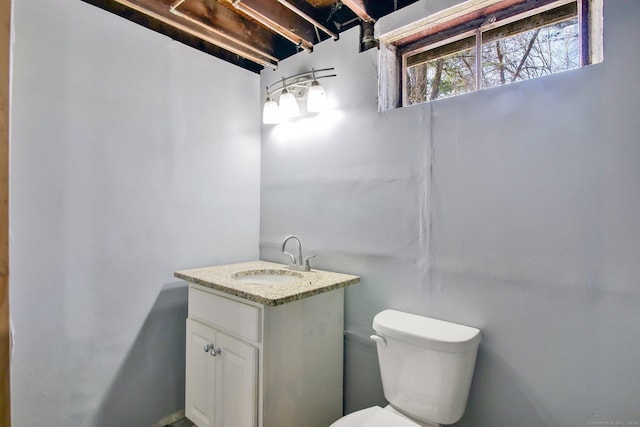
437 79
526 54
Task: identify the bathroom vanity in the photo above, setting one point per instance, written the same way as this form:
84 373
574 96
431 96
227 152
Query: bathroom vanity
264 345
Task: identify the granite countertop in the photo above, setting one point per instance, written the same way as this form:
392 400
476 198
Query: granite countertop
221 278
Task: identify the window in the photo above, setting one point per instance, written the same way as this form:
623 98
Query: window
492 46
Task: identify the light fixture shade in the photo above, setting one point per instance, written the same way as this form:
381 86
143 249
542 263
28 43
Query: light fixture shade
316 98
270 112
288 105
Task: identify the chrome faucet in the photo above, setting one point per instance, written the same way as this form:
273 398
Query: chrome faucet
297 263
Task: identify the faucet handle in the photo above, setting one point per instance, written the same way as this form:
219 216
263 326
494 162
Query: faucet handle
306 262
293 259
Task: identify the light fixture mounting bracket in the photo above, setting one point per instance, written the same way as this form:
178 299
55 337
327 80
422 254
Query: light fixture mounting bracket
299 84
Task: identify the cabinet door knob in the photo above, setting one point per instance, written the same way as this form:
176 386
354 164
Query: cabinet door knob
208 347
215 351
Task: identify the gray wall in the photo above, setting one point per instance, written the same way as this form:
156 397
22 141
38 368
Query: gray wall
131 156
515 210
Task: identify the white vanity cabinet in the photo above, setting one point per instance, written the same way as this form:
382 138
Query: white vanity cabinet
221 380
254 365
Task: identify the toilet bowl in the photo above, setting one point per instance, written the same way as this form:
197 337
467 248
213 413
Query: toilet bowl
426 366
376 416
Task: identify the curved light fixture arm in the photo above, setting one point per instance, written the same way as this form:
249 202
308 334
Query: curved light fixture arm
301 80
291 88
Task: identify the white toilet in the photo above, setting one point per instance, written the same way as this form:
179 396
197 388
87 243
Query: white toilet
426 367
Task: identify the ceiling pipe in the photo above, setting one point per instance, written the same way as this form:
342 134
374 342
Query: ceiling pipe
269 61
309 19
367 37
274 26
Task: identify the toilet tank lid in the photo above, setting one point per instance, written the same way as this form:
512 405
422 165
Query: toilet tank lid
425 331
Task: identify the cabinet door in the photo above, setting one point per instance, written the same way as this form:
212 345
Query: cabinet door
236 383
200 375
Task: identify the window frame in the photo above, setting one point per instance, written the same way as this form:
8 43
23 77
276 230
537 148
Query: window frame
476 26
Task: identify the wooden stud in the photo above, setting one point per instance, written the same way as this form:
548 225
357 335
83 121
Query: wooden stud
308 15
161 12
359 8
192 39
279 19
211 21
5 345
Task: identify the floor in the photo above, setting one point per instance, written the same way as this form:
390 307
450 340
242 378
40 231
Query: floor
181 423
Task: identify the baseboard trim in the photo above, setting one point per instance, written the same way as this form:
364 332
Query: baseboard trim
170 419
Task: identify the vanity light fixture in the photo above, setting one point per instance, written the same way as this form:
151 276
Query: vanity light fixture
291 88
288 104
316 97
271 111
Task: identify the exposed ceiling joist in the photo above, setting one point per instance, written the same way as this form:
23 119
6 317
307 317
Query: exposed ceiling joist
251 34
304 12
359 8
251 42
278 19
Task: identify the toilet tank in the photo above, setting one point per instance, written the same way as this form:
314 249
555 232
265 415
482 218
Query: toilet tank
426 364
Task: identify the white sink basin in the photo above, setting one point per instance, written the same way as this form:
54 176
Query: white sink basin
267 277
